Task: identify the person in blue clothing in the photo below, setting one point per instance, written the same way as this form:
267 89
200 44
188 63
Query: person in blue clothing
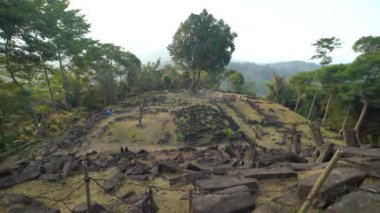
108 112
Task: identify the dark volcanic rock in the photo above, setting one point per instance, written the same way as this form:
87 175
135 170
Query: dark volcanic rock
165 166
289 199
359 201
113 182
130 197
360 152
68 166
339 182
19 198
137 170
5 172
267 173
188 178
51 177
32 171
95 208
196 121
235 199
210 185
270 207
35 209
54 165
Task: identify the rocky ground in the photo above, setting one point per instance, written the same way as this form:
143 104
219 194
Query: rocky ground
240 154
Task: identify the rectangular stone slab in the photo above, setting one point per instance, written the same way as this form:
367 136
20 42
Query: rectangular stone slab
268 173
210 185
235 199
339 182
360 201
188 178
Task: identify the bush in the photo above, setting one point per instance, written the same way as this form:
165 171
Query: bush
229 132
179 136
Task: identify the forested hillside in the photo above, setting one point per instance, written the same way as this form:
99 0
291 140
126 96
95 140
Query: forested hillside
261 74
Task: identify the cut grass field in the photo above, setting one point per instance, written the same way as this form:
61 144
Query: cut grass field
126 133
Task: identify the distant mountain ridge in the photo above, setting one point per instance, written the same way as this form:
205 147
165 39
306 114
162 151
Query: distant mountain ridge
261 74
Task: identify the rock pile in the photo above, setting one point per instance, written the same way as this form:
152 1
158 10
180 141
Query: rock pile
196 121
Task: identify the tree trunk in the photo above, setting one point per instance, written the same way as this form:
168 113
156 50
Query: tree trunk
142 105
298 101
195 80
64 82
275 96
2 134
312 104
350 137
361 117
326 111
345 120
29 106
49 87
316 133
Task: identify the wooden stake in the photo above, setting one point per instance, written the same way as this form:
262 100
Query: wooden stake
321 179
87 183
191 198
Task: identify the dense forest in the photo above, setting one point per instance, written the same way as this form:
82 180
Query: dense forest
338 95
52 72
261 74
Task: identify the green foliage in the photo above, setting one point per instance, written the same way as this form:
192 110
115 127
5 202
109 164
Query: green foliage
323 47
202 43
182 120
235 81
179 136
367 44
133 136
211 125
229 133
276 87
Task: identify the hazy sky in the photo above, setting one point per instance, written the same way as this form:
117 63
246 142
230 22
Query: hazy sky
268 30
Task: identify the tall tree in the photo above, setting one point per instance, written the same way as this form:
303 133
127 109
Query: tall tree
277 86
16 25
323 47
364 83
367 44
67 30
202 43
235 81
329 77
299 82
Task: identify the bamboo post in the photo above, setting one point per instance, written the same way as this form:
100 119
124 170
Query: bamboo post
87 183
191 198
321 179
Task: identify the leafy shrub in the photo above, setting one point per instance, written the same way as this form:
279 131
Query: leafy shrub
229 132
179 136
182 120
